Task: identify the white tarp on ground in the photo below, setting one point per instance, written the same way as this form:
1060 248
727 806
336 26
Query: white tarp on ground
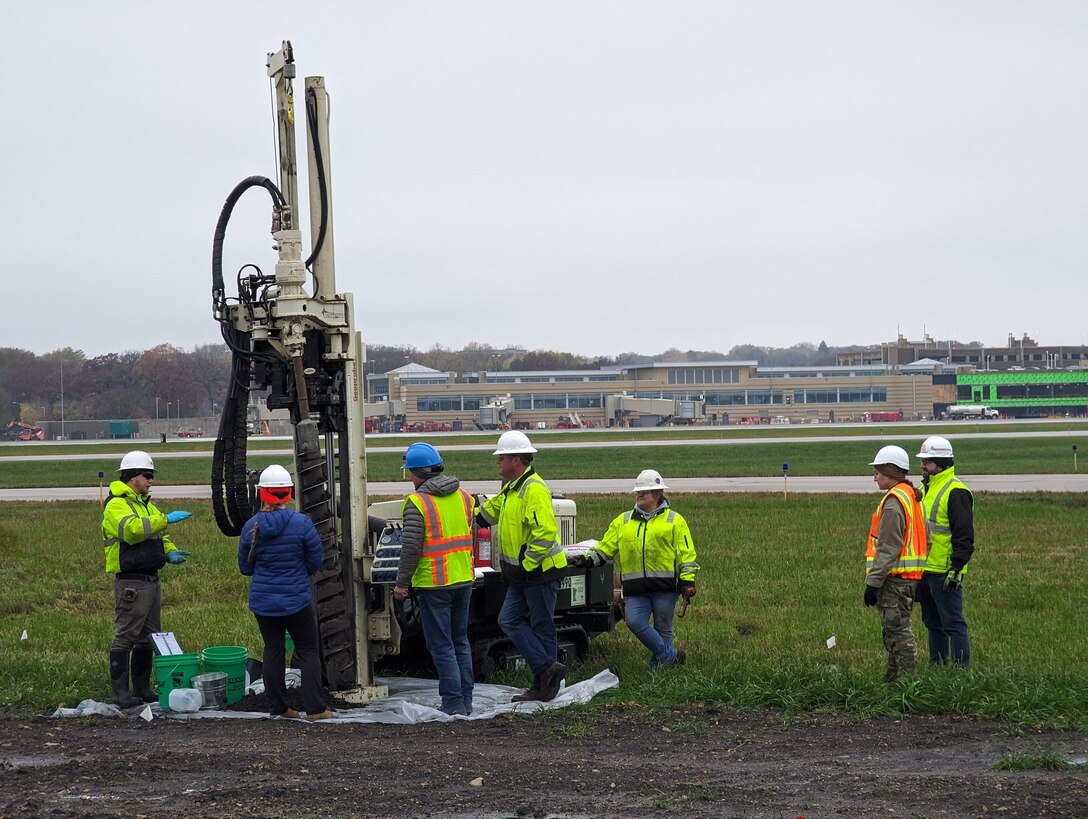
410 701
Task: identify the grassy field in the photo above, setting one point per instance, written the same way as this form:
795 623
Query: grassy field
779 577
978 456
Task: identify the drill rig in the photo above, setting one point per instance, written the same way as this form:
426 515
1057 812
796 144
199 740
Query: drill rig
300 347
291 334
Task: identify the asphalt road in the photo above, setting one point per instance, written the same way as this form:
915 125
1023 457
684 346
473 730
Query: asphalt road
859 484
543 444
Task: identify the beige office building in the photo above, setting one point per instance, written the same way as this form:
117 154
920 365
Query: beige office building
708 392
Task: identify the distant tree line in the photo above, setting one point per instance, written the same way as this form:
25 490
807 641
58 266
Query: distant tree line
168 381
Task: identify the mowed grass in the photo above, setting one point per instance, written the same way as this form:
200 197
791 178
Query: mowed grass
779 577
1002 454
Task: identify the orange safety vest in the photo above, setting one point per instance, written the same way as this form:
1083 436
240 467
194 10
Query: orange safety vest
912 557
447 539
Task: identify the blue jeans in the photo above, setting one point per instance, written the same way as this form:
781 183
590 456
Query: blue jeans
444 613
942 614
658 638
526 618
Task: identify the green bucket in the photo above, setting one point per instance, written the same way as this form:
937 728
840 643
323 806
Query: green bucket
174 671
232 660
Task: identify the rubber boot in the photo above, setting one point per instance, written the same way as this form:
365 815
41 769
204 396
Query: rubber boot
142 659
119 680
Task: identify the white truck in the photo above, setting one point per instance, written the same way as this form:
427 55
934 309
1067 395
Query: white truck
960 411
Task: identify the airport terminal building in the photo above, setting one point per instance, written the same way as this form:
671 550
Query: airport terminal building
710 392
901 380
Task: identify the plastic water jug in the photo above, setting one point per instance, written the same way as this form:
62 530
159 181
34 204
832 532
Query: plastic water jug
185 699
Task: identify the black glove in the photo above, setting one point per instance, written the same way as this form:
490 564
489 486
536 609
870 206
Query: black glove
953 580
871 594
580 562
687 589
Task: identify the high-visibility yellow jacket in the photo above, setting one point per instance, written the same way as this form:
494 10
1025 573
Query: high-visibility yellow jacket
935 505
654 555
523 521
446 558
913 547
133 532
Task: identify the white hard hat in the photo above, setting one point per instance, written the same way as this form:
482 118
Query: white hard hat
137 459
894 455
649 479
514 442
275 476
935 447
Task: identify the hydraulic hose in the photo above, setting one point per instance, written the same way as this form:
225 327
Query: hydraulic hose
319 161
230 489
279 204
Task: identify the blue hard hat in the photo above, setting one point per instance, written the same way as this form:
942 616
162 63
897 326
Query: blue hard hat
421 456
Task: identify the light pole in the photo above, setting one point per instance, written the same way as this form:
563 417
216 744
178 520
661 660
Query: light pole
156 408
177 406
62 400
168 403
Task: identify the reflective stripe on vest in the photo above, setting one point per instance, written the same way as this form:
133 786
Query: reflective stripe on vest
446 558
513 558
109 541
936 502
912 556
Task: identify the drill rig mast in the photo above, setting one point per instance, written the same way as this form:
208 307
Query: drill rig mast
302 347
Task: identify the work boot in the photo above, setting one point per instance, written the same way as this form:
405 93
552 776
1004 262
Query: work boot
326 714
681 657
142 659
532 695
119 680
550 679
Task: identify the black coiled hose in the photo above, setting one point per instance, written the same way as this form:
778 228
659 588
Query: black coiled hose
230 480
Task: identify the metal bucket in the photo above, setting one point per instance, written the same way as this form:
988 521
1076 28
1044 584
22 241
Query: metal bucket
212 687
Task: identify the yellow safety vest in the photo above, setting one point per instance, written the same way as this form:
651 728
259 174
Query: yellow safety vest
523 523
446 559
935 504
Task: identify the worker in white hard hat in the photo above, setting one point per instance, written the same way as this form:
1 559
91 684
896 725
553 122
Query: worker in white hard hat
281 550
949 508
137 545
894 556
657 561
436 562
522 519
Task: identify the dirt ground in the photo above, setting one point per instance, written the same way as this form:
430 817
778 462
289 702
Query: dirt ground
599 760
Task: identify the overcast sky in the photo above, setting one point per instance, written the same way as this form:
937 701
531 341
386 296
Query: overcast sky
594 177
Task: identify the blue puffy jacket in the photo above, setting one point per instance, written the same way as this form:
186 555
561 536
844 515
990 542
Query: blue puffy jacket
286 553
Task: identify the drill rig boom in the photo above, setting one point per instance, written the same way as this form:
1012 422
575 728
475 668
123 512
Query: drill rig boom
301 347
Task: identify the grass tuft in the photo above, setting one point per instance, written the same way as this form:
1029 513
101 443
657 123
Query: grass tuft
1042 760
